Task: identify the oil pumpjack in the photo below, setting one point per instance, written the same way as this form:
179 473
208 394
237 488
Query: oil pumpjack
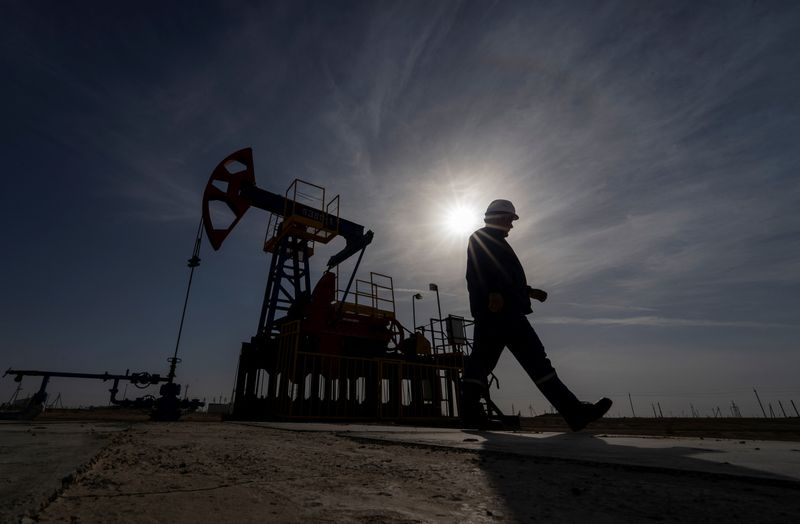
326 352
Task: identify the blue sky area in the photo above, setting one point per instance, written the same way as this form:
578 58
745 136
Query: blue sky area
650 149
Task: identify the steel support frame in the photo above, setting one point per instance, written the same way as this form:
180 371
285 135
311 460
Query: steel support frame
288 281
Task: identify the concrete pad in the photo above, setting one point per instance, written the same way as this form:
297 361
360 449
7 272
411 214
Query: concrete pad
741 458
36 458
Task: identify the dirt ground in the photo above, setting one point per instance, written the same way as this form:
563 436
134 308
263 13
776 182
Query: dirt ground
213 472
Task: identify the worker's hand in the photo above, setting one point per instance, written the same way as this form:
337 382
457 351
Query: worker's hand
496 302
537 294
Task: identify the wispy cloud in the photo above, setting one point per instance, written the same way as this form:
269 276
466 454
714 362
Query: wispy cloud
617 151
614 307
656 321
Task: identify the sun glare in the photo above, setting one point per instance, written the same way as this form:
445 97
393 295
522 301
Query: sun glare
461 220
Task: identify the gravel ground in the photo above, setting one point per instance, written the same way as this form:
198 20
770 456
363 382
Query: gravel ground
213 472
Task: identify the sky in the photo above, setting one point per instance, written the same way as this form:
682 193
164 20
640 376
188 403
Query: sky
650 149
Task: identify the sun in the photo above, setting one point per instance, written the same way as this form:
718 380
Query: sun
461 220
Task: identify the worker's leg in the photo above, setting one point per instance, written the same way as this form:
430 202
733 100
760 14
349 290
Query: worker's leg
488 343
524 344
528 349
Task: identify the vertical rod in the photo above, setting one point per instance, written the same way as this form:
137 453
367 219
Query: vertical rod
781 405
631 401
193 263
795 408
759 403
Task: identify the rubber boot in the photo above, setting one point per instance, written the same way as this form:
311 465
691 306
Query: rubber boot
577 414
588 413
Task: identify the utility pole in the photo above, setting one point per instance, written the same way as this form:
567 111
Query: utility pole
759 403
631 401
434 287
414 299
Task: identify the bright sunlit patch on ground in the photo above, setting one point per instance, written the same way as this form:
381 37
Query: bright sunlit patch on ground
461 219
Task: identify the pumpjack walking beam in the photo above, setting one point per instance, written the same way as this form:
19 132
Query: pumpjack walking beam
241 192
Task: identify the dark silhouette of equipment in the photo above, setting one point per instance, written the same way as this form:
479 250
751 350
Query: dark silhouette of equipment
330 352
166 407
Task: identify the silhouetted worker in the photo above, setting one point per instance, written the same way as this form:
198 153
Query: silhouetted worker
499 299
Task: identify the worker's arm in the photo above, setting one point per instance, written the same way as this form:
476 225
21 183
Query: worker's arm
496 302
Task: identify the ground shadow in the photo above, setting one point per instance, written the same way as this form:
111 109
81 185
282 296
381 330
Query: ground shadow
560 479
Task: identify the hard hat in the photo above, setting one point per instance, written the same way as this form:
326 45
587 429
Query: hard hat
501 207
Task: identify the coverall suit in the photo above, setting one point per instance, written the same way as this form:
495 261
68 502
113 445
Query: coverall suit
493 267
